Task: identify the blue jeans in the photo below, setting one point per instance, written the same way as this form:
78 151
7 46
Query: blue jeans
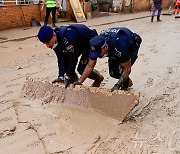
157 7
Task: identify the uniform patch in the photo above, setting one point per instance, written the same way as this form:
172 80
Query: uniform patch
70 48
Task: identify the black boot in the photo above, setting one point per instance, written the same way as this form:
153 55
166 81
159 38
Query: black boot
74 78
97 77
152 17
126 84
158 18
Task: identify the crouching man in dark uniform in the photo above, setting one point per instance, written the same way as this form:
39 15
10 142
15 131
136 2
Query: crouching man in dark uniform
121 46
69 42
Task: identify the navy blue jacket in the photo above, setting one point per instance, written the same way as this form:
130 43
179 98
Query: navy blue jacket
73 40
123 44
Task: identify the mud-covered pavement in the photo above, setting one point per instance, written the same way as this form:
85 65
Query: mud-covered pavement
28 126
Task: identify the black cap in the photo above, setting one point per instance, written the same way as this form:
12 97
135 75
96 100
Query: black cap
45 34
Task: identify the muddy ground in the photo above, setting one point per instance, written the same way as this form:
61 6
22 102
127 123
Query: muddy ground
31 126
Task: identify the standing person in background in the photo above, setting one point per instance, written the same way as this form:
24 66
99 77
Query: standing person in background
50 7
156 6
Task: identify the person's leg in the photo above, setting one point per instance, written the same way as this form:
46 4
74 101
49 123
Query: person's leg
48 10
73 75
115 71
153 12
54 16
134 56
159 7
74 78
82 63
95 75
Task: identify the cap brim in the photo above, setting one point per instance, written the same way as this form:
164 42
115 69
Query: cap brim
94 54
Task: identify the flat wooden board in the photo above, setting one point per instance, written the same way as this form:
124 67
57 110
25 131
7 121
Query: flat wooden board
77 10
116 104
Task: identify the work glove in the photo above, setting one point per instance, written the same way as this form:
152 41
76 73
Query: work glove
67 81
115 87
76 83
59 79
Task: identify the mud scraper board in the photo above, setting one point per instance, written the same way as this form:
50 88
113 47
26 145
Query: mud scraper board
116 104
